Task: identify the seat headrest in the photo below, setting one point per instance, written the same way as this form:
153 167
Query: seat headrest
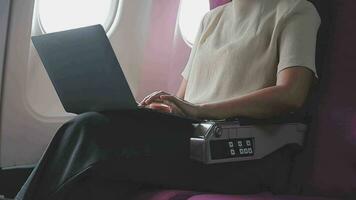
216 3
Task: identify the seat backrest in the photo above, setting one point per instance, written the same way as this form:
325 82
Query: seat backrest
216 3
330 158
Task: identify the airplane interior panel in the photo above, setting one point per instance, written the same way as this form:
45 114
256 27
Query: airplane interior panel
5 8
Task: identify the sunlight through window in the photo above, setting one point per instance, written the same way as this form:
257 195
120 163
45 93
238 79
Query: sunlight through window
58 15
191 14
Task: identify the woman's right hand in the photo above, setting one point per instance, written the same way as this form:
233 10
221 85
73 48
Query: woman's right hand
155 97
154 101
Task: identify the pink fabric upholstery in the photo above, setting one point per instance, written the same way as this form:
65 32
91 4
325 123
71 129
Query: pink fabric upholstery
187 195
216 3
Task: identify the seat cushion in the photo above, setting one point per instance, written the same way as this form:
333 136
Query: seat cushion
190 195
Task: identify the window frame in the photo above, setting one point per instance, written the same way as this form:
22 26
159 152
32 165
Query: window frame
179 24
37 29
108 25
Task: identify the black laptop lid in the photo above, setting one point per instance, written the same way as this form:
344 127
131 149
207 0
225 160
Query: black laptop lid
84 70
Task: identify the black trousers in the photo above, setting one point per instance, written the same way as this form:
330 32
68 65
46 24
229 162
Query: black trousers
117 153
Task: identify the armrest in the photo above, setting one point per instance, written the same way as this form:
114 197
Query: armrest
240 139
283 119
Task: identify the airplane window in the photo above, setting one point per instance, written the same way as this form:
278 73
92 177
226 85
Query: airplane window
58 15
190 16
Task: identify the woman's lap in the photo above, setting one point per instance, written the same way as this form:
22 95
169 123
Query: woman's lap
93 138
136 148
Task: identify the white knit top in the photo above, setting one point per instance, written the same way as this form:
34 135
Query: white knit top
241 46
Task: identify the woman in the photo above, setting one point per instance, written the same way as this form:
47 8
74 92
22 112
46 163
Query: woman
251 58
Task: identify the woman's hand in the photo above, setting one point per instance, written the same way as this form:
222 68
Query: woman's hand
154 101
165 102
152 98
185 108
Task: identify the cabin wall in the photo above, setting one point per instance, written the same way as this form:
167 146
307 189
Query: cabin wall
166 52
15 120
4 18
148 45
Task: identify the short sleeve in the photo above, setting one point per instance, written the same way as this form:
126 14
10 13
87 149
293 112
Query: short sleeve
297 39
189 64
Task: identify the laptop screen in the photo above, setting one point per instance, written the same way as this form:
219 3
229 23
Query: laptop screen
84 70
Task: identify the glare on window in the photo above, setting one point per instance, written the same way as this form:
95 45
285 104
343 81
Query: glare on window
58 15
190 16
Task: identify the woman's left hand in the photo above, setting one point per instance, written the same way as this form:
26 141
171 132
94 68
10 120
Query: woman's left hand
184 108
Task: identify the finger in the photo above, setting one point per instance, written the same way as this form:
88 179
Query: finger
142 103
169 99
139 104
172 99
177 110
155 97
174 108
160 107
147 97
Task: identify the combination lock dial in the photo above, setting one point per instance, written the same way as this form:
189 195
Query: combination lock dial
218 131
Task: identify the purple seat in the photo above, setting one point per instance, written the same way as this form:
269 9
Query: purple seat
326 169
216 3
188 195
331 167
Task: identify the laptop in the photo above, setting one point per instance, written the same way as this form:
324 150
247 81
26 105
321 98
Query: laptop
86 74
